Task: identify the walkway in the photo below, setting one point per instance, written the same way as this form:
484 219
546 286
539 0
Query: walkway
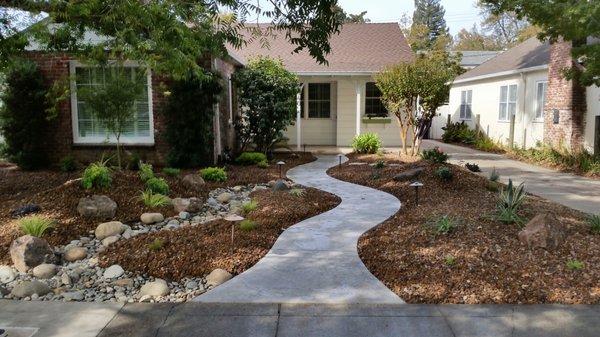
316 260
568 189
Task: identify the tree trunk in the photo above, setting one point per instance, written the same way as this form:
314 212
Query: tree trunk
118 136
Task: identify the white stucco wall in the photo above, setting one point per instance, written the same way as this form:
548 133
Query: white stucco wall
593 110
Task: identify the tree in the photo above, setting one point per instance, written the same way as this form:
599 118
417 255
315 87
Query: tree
430 14
113 102
570 20
267 91
169 36
344 17
414 92
505 28
473 40
188 116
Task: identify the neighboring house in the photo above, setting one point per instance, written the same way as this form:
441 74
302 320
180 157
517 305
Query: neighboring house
473 58
520 97
340 100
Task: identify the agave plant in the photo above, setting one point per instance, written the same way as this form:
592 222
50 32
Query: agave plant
511 198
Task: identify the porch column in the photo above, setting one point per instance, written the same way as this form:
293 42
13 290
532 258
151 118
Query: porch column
299 118
357 88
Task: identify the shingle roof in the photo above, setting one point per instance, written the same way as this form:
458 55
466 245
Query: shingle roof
531 53
357 48
473 58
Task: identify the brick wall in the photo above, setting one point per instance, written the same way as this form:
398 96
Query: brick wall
566 97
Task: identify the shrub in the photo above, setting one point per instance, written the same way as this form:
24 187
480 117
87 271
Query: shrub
379 164
68 164
594 221
217 174
492 186
485 143
153 200
156 245
263 164
157 185
459 132
575 264
366 143
251 158
472 167
510 200
449 260
96 175
444 224
35 225
249 206
298 192
134 162
247 225
494 176
171 172
444 173
435 155
188 118
23 117
145 172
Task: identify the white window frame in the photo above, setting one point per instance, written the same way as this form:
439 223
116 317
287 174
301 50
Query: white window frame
110 139
466 105
508 101
539 108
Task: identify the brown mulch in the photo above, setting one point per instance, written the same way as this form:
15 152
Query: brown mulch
58 194
197 250
491 266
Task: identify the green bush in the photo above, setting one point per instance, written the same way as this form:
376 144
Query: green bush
247 225
459 132
379 164
449 260
366 143
444 173
263 164
435 155
153 200
35 225
510 200
249 206
157 185
96 175
214 174
298 192
68 164
188 118
487 144
594 222
444 224
134 162
145 172
575 264
23 117
171 172
156 245
251 158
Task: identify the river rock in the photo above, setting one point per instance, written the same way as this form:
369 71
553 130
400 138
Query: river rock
190 205
409 175
110 240
73 296
28 251
44 271
155 289
24 210
75 254
107 229
224 197
543 231
280 185
218 277
7 274
193 182
150 218
113 271
97 207
28 288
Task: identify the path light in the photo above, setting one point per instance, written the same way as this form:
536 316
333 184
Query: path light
280 164
304 148
416 185
340 156
233 218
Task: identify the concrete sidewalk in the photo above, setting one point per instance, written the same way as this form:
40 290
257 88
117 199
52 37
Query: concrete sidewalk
567 189
291 320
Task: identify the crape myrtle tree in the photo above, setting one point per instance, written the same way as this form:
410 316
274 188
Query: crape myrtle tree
267 93
572 20
414 91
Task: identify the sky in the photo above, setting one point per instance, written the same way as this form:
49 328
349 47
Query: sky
459 13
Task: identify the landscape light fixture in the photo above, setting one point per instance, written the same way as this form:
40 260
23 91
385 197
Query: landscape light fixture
280 164
340 160
233 219
304 148
416 185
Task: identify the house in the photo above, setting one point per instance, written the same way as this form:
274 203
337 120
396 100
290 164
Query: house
520 97
473 58
339 100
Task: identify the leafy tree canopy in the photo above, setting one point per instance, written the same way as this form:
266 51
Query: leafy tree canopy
345 17
429 16
573 20
168 35
473 40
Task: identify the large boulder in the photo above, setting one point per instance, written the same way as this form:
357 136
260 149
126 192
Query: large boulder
543 231
155 289
97 207
28 288
193 182
7 274
218 277
409 175
280 185
28 251
190 205
107 229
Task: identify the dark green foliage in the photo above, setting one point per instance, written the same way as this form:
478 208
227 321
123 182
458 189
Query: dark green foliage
379 164
472 167
430 13
68 164
459 132
171 172
247 225
156 245
263 164
594 222
444 173
146 173
157 185
435 155
251 158
443 224
189 116
96 175
134 162
509 202
268 91
214 174
23 118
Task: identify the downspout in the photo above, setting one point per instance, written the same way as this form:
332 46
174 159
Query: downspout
525 119
216 123
299 118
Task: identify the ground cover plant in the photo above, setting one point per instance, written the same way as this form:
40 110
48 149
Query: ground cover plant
366 143
208 246
57 193
479 261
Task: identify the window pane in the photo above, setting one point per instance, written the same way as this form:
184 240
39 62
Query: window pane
513 93
503 94
463 97
470 96
319 100
502 111
512 109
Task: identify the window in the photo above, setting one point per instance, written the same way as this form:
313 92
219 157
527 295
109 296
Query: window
466 100
319 100
508 102
89 130
373 105
540 99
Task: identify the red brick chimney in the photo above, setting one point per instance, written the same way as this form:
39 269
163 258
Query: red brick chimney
565 108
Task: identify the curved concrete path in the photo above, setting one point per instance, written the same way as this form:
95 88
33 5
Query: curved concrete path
316 260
